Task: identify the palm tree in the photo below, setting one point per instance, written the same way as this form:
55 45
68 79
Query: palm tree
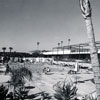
58 50
61 43
62 46
18 77
87 12
58 44
10 48
38 43
4 49
68 42
58 47
69 47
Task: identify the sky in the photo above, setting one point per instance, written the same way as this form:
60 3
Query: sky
23 23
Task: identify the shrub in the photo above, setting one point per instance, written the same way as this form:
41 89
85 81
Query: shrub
65 90
3 92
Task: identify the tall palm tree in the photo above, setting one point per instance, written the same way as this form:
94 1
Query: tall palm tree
10 48
87 12
58 50
4 49
38 43
62 46
58 44
58 47
61 43
69 47
69 42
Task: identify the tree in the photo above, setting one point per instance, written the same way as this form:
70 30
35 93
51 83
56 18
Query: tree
61 43
4 49
18 77
69 47
87 12
62 46
37 53
58 47
10 48
58 44
38 43
58 50
69 42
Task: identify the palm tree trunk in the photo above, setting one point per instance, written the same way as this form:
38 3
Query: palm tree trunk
94 55
87 13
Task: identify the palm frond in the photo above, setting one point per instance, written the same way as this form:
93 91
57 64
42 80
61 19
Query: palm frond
26 72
